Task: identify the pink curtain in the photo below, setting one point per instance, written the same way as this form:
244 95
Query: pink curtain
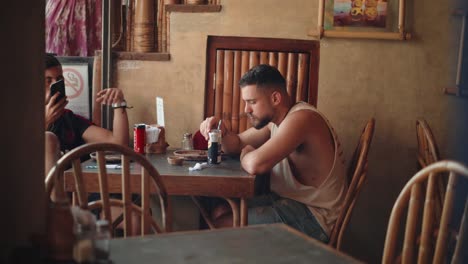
73 27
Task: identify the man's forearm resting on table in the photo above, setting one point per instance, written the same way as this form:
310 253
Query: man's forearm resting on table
250 162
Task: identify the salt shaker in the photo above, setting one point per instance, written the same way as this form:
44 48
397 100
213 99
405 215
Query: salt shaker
101 241
187 142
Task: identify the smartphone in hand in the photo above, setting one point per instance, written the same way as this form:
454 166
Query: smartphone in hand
58 86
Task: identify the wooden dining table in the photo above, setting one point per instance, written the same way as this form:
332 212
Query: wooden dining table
272 243
226 179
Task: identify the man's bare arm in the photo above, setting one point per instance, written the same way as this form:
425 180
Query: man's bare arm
119 135
233 143
291 133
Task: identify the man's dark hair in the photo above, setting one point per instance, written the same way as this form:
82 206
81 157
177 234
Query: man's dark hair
51 61
264 76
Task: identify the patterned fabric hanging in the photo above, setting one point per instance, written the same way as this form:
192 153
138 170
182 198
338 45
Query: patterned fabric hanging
73 27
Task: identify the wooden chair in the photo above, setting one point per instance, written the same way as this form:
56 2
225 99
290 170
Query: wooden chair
357 173
427 148
422 186
150 180
228 58
428 153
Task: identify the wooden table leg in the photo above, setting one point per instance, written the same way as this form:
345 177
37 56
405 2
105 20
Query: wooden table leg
74 199
243 212
235 212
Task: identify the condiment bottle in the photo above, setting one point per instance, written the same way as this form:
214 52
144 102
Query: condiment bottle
101 241
83 251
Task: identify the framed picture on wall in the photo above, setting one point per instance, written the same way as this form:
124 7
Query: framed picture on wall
365 19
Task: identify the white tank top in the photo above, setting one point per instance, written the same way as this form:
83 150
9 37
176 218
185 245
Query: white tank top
324 201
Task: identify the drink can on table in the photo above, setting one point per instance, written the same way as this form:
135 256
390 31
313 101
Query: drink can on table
214 147
139 133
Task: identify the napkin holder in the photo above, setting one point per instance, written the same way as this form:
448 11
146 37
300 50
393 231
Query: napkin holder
160 146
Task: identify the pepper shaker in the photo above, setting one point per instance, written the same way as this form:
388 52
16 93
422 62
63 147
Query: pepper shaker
187 142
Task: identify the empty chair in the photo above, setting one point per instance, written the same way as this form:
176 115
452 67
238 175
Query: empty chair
150 181
357 173
428 153
427 148
439 241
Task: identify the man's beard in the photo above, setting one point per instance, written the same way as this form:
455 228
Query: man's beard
261 122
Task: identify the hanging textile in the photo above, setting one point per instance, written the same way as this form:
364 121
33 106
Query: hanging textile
73 27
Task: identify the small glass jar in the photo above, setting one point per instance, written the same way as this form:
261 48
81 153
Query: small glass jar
101 241
187 142
83 250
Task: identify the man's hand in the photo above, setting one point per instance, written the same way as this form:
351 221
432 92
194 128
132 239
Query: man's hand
53 109
110 96
207 125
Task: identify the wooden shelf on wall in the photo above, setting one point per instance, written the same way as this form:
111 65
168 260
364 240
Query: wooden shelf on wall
144 56
165 56
193 8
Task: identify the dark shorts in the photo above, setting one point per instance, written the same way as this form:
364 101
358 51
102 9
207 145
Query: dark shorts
271 208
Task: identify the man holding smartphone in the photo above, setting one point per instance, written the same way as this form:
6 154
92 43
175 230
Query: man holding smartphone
66 130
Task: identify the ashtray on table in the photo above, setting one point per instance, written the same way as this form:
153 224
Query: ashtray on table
193 155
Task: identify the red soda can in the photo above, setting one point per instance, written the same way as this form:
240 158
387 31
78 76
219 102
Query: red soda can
139 133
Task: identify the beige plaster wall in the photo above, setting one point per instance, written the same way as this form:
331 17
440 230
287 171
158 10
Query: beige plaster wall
393 81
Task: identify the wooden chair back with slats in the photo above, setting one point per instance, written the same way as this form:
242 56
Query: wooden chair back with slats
427 147
428 153
149 177
357 174
436 238
228 58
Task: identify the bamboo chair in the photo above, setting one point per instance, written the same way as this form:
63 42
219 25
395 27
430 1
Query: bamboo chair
228 58
150 179
427 154
357 173
427 148
422 186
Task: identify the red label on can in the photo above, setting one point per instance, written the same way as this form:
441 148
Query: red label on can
139 133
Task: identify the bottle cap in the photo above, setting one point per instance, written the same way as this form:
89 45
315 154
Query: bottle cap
102 222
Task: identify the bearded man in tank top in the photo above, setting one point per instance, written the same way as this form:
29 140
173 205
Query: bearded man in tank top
296 144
